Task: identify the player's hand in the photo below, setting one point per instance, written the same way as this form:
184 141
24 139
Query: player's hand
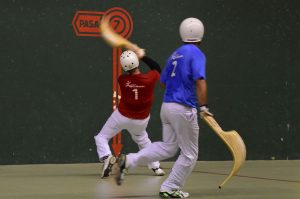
140 53
204 111
136 49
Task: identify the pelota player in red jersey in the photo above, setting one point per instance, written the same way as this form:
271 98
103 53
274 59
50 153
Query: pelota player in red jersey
133 112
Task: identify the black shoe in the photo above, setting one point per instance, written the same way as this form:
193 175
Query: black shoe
174 194
121 164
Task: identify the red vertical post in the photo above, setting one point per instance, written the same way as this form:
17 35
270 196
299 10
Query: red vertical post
117 71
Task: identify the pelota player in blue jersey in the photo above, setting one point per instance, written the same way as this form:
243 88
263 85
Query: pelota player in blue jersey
184 68
186 90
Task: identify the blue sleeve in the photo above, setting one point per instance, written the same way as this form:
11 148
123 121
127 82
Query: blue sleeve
198 66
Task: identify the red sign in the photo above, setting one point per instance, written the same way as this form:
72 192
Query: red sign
86 23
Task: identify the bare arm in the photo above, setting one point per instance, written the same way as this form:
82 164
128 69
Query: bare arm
201 91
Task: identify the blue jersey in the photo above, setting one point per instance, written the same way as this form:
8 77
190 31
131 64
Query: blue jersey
183 68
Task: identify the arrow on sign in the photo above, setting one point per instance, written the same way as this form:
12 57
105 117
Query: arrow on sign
86 23
116 144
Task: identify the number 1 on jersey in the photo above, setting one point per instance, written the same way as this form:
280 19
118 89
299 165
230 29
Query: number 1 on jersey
174 63
136 94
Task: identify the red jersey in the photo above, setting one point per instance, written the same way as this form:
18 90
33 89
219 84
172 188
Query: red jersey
137 94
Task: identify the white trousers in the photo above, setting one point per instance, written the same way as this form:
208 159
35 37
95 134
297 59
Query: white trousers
117 122
180 131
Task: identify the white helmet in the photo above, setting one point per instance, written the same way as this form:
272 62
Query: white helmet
191 30
129 60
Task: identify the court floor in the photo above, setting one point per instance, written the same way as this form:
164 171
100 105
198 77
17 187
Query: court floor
256 180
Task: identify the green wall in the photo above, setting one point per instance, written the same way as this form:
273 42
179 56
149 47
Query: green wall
56 88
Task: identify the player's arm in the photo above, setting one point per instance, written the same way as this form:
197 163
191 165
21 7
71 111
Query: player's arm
201 92
199 76
153 65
